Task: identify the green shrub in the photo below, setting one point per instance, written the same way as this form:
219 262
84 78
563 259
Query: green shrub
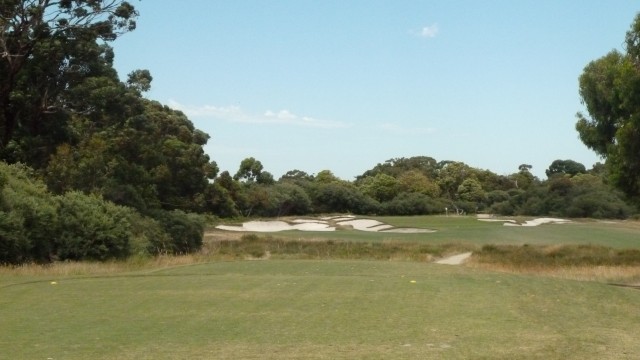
27 216
149 237
185 230
91 228
414 204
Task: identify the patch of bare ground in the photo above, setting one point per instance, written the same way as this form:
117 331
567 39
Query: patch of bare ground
455 259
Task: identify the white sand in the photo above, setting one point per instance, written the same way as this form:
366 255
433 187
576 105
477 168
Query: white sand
362 224
408 231
455 259
308 221
540 221
498 220
275 226
320 225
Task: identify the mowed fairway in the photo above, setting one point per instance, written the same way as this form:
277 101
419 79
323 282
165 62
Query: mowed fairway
284 309
469 230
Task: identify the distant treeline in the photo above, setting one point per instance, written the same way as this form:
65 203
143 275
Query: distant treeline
419 186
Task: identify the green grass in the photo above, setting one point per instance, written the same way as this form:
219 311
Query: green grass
313 299
282 309
467 229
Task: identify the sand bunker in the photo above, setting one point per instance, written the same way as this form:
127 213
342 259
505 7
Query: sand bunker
455 259
323 224
535 222
275 226
540 221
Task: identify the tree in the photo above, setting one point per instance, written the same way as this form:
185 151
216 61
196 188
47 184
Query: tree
610 89
381 187
48 48
296 176
326 177
395 167
523 179
565 167
249 171
414 181
149 160
471 190
451 175
524 167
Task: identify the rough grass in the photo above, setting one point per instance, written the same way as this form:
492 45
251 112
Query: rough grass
253 246
580 262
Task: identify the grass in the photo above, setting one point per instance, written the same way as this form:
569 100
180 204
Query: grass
341 295
283 309
467 229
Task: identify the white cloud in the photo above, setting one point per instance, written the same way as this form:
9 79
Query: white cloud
429 31
236 114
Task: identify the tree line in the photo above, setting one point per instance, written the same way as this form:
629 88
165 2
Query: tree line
420 186
91 169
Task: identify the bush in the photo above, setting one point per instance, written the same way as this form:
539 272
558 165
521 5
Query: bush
91 228
598 204
185 230
27 216
414 204
149 237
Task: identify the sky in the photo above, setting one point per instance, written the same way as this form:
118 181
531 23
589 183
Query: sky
344 85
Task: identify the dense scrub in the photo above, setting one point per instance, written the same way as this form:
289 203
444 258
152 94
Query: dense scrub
422 186
37 226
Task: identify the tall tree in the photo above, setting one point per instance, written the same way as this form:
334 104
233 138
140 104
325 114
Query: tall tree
47 48
565 167
610 90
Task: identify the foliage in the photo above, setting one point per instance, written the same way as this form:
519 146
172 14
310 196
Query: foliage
610 90
49 50
342 197
251 171
37 226
414 204
414 181
471 190
154 159
381 187
185 231
28 216
568 167
91 228
425 165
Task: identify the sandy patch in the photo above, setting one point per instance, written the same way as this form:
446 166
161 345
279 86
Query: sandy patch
498 220
408 231
276 226
338 218
308 221
455 259
540 221
362 224
320 225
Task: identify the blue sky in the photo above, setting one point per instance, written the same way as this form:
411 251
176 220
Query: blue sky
344 85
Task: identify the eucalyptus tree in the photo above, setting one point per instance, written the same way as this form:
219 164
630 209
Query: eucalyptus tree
610 90
48 48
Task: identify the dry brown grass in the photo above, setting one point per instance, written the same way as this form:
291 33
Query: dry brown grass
68 268
629 275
